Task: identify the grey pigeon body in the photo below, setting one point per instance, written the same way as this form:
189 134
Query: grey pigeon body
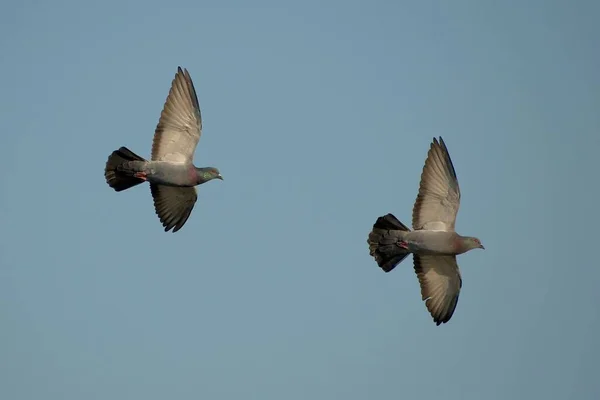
171 173
433 241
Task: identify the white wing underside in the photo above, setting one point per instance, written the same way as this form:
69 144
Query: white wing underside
435 209
440 281
180 125
438 200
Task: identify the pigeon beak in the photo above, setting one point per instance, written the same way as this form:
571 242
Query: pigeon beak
219 177
481 247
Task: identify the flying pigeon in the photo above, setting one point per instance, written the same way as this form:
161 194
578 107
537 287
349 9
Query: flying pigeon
170 171
433 242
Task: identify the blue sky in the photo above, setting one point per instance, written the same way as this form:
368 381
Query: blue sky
319 115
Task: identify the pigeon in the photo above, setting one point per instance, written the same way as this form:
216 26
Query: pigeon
170 171
433 242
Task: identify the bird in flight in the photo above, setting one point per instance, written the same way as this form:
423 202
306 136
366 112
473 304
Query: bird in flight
170 171
433 241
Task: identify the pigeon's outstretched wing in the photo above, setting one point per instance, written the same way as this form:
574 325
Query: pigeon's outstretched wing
173 205
440 282
439 194
180 125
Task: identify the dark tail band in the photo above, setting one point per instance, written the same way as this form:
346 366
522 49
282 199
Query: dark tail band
115 173
383 242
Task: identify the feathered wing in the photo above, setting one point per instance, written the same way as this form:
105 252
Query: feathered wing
180 125
440 280
173 205
439 194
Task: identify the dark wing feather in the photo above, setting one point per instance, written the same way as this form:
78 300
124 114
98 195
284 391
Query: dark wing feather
173 205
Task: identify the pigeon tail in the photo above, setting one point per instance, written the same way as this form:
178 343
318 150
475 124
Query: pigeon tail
120 169
384 242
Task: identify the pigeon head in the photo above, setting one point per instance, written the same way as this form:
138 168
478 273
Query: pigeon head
208 174
472 243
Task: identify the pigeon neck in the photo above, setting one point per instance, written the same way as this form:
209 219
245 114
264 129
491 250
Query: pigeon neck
462 244
203 175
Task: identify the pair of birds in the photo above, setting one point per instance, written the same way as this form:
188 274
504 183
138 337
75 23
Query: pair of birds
433 241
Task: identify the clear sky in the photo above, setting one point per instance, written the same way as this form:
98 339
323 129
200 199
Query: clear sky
319 115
